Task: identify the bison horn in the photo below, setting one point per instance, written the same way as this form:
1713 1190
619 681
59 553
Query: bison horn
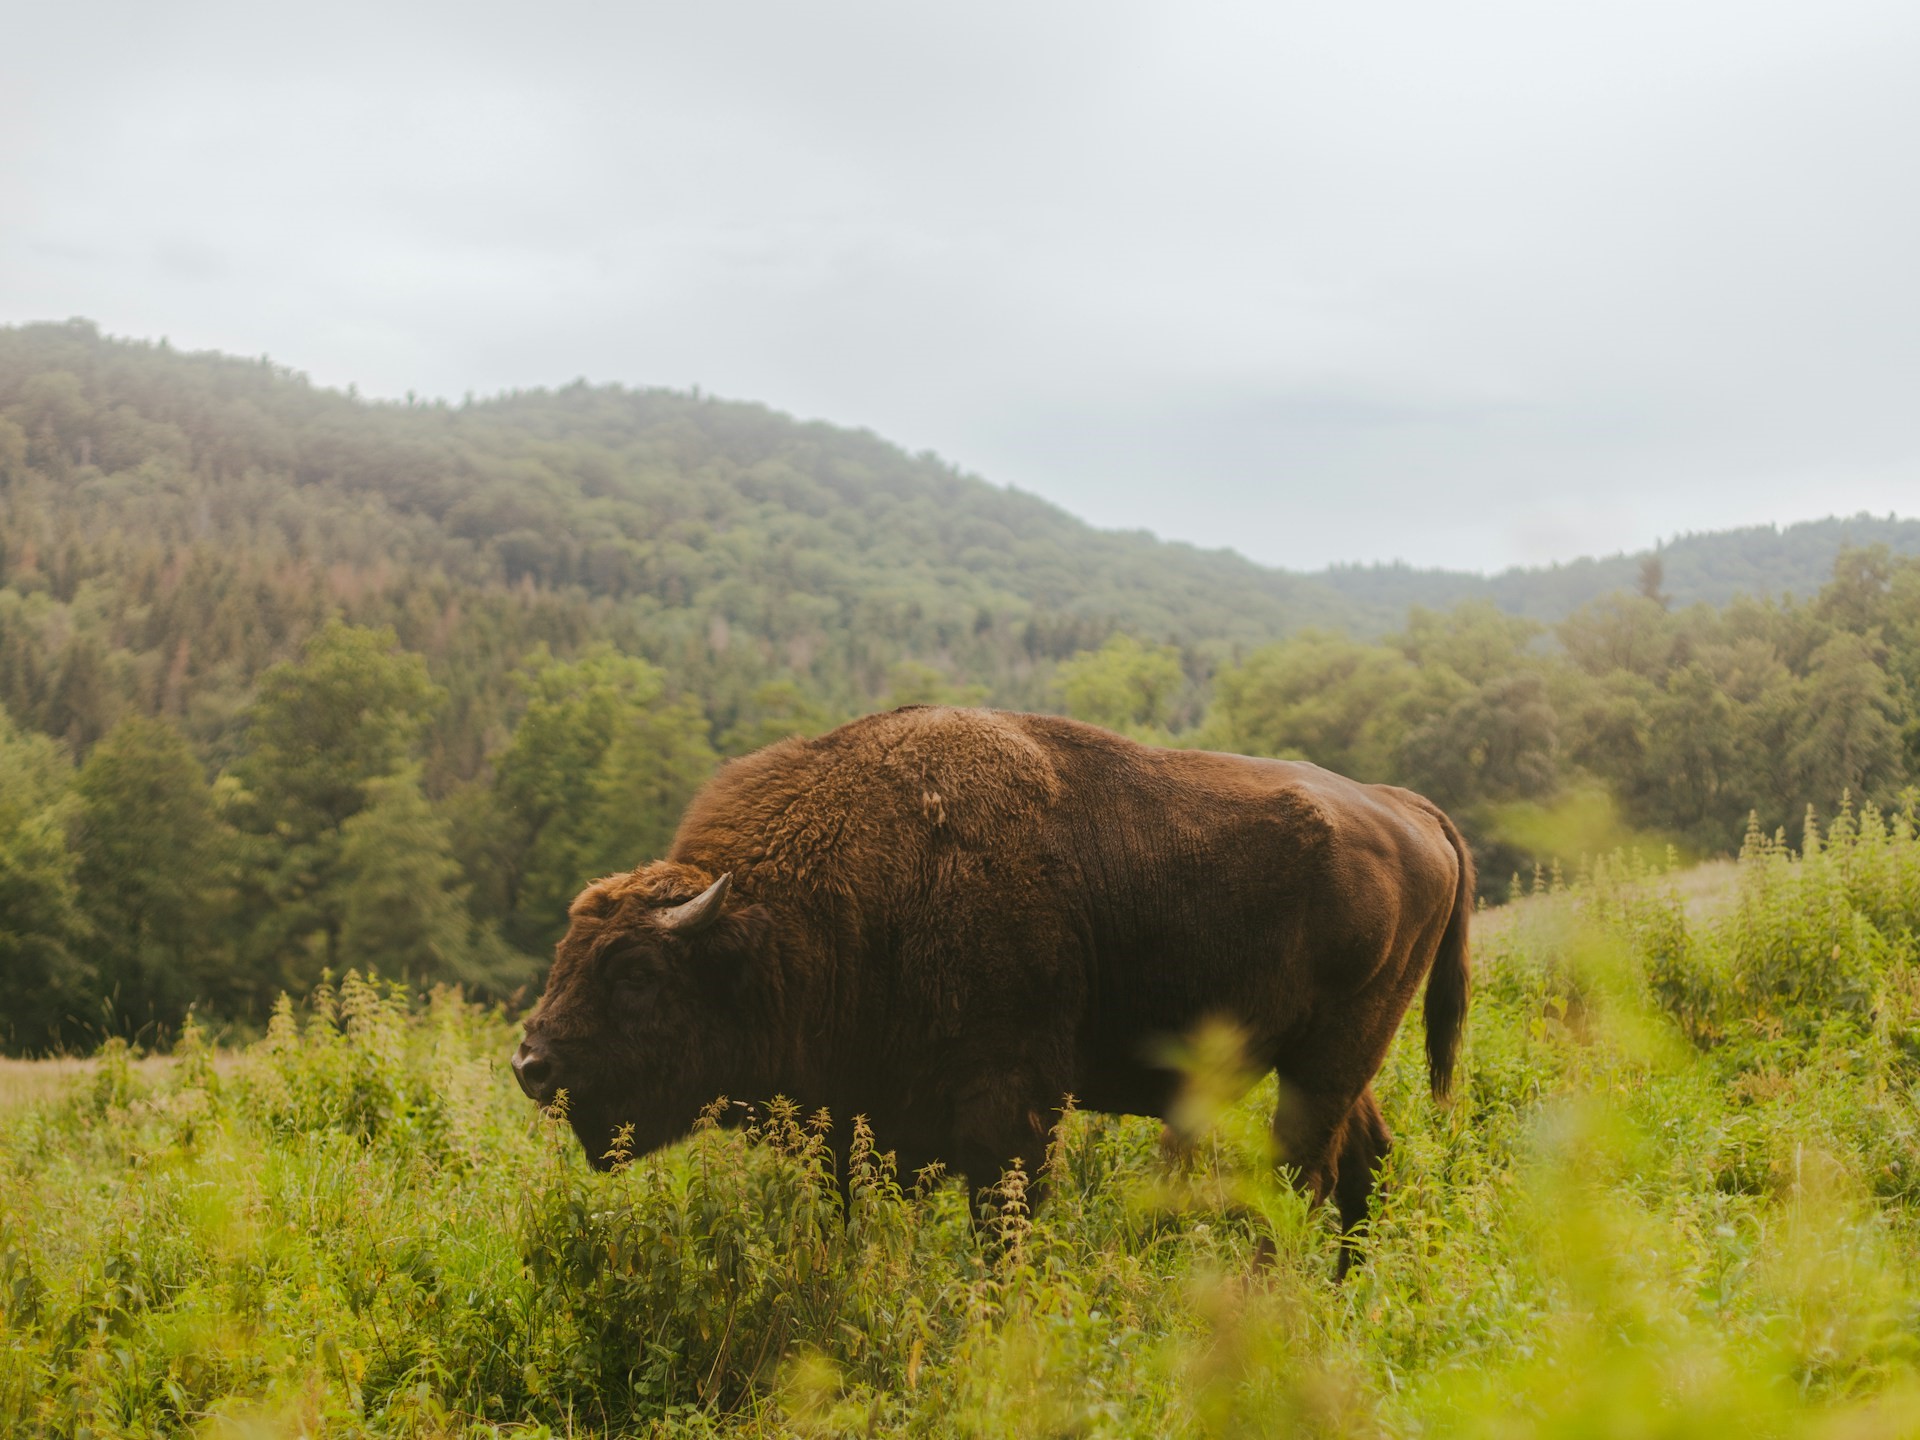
698 913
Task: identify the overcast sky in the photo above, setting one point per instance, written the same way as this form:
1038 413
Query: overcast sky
1464 284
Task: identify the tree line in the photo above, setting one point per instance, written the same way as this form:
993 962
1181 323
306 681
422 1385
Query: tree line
291 683
136 880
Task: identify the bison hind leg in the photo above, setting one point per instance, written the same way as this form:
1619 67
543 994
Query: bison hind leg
1362 1149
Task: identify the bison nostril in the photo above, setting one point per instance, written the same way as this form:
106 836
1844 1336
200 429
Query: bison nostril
531 1069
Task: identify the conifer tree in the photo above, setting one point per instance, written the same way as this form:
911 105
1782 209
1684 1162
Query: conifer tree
152 865
323 734
402 902
48 990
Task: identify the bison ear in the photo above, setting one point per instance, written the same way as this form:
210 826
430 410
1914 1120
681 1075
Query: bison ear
598 899
698 913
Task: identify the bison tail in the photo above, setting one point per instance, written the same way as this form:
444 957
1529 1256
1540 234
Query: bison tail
1450 981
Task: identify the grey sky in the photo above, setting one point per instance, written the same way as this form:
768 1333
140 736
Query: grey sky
1468 284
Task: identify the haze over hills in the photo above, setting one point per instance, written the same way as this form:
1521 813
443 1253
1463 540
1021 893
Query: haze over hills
1764 561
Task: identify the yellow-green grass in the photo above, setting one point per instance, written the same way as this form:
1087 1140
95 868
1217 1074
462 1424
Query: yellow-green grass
27 1082
32 1082
1678 1194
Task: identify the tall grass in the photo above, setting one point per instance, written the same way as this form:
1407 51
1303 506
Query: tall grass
1677 1195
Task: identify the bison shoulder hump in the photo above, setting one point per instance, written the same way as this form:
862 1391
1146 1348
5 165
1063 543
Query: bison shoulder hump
975 760
964 775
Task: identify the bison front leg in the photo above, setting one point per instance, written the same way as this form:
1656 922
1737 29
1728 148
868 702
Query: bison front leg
1336 1142
999 1125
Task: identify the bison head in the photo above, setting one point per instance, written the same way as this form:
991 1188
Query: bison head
642 1022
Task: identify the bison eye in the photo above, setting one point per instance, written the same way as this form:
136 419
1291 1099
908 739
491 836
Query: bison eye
631 981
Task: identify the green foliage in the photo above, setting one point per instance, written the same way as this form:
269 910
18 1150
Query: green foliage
403 903
1710 569
1473 641
1497 742
1690 720
594 779
202 516
912 683
45 981
1845 734
1318 696
1818 953
321 730
1124 685
776 711
1678 1193
153 863
328 736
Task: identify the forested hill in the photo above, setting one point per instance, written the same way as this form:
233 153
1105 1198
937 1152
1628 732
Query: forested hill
292 683
1764 561
226 504
209 509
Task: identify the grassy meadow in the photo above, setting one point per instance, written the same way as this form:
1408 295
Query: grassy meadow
1678 1194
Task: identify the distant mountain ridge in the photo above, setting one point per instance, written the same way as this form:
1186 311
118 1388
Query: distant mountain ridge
1711 567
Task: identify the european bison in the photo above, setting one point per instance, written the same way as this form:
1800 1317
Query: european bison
948 920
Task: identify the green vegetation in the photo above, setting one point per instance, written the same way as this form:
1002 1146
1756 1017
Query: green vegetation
170 525
1676 1196
1710 569
1683 723
295 687
291 683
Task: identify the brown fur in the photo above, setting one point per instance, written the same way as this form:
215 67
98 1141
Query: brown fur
948 920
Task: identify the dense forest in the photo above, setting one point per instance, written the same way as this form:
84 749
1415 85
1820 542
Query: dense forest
292 683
